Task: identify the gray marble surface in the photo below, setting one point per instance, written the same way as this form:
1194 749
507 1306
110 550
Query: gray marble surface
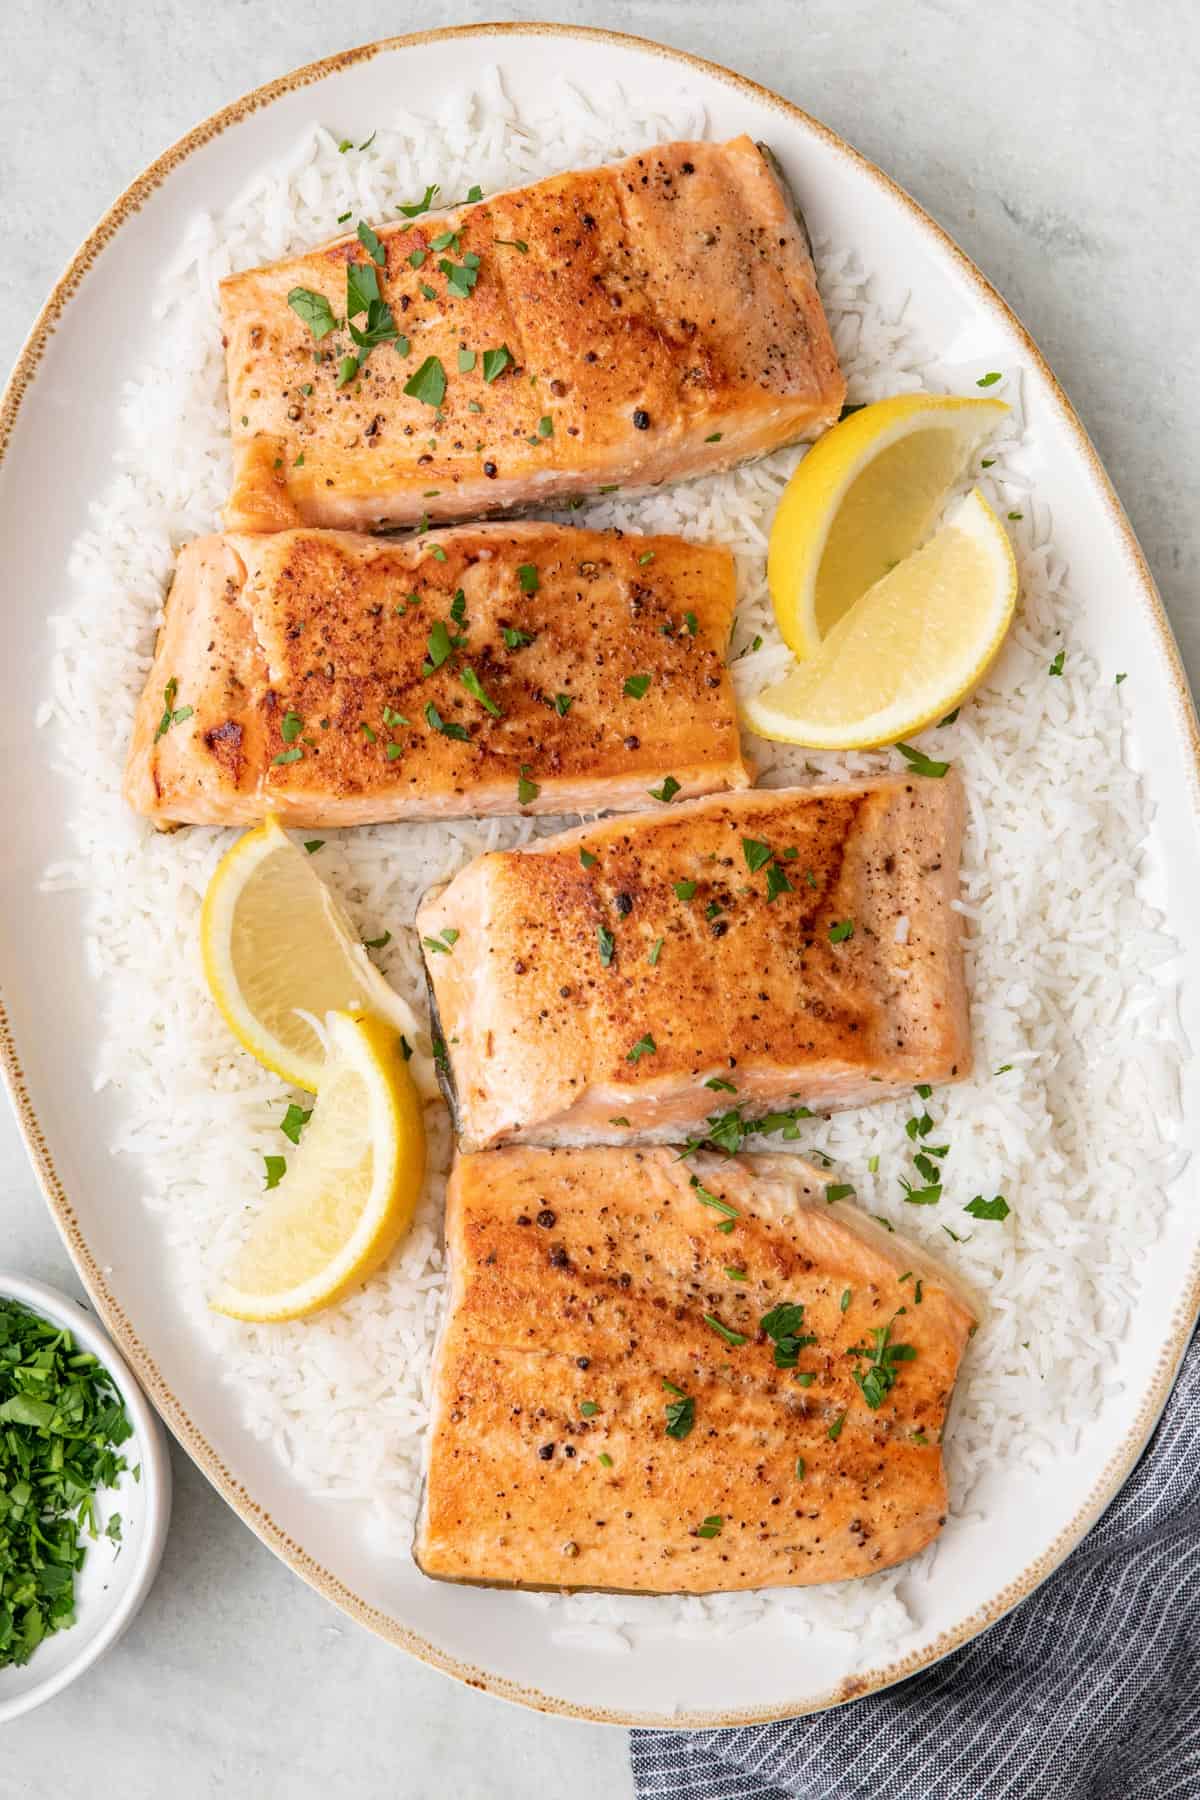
1058 141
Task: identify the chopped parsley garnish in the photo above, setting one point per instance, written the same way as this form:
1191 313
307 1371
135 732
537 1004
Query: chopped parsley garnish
655 952
443 944
777 883
729 1213
1117 680
835 1430
711 1527
515 638
528 577
428 383
416 258
681 1412
979 1208
368 731
685 890
290 727
605 1460
347 370
294 1121
784 1325
448 728
545 426
460 277
563 704
62 1422
800 1468
608 945
440 647
838 1190
466 361
513 244
720 1086
923 1196
392 718
172 714
949 718
878 1378
737 1274
920 764
667 791
844 1303
415 208
293 755
372 245
312 845
496 361
315 311
276 1167
734 1338
990 379
840 930
714 437
756 854
1056 667
587 859
645 1046
527 790
380 943
478 692
637 686
588 1409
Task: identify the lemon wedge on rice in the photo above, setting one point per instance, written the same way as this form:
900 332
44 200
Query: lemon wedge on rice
909 650
277 946
351 1189
864 497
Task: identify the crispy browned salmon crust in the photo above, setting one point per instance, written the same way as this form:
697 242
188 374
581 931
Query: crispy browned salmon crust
660 318
307 661
609 1411
755 951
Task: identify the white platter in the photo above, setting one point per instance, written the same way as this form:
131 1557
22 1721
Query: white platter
57 433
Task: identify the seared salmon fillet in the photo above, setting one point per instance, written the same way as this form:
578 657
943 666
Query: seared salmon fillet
335 679
680 1377
738 955
634 324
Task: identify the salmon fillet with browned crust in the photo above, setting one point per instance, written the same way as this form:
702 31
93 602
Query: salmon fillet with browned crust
662 975
676 1377
335 679
631 324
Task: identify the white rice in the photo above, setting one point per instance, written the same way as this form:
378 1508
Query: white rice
1068 990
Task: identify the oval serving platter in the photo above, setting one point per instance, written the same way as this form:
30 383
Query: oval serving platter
57 431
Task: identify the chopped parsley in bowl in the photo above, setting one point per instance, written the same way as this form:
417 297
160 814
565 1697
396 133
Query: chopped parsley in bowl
85 1494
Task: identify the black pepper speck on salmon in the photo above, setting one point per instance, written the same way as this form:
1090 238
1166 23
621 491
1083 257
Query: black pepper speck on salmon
593 1428
659 319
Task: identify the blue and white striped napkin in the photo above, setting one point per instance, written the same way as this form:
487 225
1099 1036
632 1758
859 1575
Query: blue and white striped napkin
1088 1691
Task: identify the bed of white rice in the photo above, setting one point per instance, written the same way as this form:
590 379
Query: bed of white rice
1062 965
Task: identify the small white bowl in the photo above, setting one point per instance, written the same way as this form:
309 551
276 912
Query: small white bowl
115 1578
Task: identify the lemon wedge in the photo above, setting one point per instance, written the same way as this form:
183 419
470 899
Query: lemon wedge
909 650
866 496
276 946
352 1188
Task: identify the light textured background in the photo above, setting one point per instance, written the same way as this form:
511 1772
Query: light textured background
1057 140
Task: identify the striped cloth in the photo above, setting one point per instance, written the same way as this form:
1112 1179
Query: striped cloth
1088 1691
